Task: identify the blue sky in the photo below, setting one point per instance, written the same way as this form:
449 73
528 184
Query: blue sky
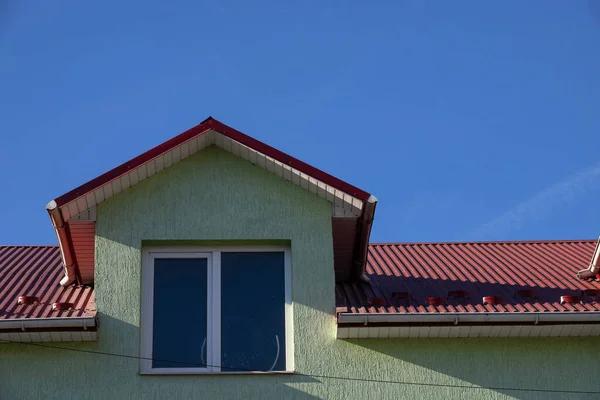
468 120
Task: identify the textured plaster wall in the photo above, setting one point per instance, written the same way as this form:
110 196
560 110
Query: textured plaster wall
216 196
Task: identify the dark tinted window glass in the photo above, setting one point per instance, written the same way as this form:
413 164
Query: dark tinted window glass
179 331
252 311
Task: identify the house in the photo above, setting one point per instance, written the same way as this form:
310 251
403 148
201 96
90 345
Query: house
215 266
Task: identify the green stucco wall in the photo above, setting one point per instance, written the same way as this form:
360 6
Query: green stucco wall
216 196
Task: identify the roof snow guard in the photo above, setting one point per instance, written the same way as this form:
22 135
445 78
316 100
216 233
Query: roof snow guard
347 200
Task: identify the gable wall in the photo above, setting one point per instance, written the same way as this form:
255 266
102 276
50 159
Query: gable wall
216 196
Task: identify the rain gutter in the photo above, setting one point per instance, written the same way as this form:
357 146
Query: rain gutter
42 324
468 318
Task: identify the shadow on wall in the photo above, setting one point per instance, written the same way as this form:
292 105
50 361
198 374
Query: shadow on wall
109 368
501 364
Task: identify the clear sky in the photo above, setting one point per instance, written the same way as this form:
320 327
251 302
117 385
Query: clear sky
468 120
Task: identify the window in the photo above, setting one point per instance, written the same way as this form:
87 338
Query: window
218 310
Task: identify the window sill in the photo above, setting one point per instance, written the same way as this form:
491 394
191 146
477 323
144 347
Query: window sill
219 373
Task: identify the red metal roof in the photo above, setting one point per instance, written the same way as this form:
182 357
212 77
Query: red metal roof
404 275
212 124
36 271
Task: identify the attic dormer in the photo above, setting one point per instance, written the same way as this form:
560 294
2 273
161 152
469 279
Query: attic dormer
73 214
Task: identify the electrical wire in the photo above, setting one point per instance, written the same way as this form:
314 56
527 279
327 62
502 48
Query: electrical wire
345 378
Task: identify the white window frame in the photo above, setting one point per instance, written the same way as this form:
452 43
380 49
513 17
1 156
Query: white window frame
213 349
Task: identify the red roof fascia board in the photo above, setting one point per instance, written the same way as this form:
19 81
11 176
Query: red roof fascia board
203 127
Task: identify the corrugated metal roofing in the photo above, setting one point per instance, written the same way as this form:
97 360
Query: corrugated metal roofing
414 270
36 271
404 275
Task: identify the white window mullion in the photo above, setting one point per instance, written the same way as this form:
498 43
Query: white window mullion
289 314
215 326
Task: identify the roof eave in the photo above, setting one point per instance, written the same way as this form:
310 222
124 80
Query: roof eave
399 319
69 329
205 126
465 325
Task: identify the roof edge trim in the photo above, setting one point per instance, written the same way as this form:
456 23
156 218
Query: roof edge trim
48 323
404 319
207 125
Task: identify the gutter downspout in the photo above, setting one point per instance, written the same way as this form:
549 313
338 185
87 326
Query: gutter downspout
592 270
64 242
361 245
